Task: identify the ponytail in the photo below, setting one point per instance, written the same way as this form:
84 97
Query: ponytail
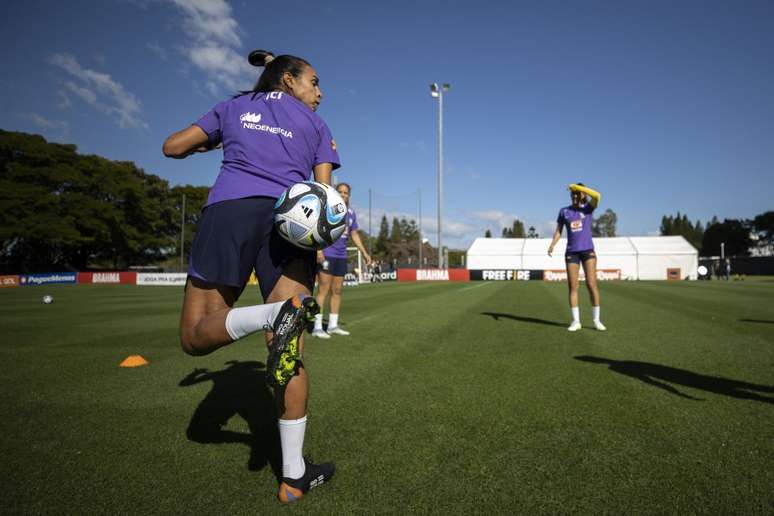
274 69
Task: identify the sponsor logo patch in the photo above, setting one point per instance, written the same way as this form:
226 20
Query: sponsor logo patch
252 121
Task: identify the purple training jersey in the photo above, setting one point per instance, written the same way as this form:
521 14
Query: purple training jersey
339 248
577 221
270 141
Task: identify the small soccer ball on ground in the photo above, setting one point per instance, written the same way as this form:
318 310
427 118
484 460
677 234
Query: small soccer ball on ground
47 299
310 215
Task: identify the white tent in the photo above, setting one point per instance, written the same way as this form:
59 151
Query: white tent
645 258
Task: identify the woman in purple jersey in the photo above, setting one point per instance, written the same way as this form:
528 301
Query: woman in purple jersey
333 268
271 138
580 249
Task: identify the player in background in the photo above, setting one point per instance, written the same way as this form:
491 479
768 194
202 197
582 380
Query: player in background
333 268
580 250
271 138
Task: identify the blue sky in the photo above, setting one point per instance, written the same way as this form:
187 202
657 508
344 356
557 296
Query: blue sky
661 105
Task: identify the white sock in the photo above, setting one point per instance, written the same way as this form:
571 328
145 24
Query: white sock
250 319
333 320
318 322
292 439
595 312
575 313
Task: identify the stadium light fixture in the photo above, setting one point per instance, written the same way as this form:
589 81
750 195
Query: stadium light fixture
437 91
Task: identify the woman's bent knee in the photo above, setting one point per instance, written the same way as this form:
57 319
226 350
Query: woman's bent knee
189 345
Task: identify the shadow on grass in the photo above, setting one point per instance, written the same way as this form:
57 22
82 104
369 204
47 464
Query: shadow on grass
237 390
762 321
663 377
534 320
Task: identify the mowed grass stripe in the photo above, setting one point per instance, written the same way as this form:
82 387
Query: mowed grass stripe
433 404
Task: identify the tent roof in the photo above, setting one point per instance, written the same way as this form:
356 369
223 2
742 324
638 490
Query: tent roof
661 245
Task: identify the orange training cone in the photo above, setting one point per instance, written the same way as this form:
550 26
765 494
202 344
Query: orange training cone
133 361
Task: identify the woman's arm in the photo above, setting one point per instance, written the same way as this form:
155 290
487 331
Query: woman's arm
359 244
182 143
323 172
557 236
595 196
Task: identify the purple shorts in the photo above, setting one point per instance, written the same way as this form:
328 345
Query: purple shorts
335 266
236 236
579 256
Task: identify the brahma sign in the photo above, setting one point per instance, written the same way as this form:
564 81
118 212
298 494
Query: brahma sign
433 275
124 278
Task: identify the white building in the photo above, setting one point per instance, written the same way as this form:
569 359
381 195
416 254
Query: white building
644 258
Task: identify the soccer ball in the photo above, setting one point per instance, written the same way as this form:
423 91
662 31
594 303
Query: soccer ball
310 215
47 300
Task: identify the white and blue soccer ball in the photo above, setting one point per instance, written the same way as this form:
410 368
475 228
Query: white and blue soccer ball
310 215
48 299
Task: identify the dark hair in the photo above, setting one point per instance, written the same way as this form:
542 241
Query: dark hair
274 69
349 188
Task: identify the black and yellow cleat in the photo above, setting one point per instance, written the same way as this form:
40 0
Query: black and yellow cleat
292 490
294 316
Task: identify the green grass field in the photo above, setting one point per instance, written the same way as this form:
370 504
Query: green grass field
447 398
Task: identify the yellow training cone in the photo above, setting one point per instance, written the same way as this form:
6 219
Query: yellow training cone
133 361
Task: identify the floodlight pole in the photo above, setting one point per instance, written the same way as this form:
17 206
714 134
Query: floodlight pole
182 234
370 233
437 91
419 197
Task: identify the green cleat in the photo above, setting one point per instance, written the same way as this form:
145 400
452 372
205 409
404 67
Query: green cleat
294 316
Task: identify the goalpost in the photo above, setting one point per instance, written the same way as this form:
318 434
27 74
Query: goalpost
355 257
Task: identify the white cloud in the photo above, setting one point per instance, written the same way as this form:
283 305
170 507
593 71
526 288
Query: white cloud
52 129
214 43
500 218
85 94
210 20
45 123
457 233
101 91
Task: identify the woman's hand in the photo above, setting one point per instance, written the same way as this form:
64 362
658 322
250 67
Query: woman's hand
320 257
551 250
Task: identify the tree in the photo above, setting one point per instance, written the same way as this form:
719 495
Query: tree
382 244
735 234
764 226
396 237
604 225
409 231
517 230
681 225
61 209
488 234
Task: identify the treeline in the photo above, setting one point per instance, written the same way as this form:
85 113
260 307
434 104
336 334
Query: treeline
737 236
398 242
61 209
602 226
